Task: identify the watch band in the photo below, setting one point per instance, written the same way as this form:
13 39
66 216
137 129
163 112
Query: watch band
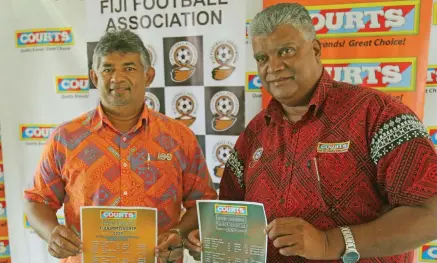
348 238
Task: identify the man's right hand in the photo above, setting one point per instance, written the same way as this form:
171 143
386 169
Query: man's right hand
64 243
193 244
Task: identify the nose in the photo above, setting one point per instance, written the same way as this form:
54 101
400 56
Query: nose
275 64
117 77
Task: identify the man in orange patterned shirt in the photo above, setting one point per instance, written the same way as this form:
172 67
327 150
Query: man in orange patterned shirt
110 156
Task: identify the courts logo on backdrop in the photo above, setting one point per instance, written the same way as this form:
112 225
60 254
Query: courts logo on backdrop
428 253
247 31
72 86
387 74
366 19
431 76
253 82
44 39
35 134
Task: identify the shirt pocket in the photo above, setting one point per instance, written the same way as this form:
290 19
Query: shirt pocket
336 173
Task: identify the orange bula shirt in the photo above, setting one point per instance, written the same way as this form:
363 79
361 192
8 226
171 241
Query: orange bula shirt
87 162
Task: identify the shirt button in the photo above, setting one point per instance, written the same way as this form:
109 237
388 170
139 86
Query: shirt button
281 200
125 192
294 130
124 139
125 165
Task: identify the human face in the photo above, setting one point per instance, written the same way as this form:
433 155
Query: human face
288 65
121 80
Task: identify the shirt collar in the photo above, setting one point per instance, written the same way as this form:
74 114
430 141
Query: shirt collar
100 117
274 109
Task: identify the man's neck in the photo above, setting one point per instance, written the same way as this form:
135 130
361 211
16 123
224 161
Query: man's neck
123 119
294 114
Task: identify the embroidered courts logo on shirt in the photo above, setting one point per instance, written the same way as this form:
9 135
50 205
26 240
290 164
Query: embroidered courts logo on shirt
428 253
335 147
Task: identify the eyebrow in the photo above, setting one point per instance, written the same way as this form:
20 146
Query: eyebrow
108 65
280 46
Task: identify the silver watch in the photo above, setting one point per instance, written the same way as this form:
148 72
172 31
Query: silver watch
351 254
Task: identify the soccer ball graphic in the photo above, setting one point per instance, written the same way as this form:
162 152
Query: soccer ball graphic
224 53
183 55
223 153
224 105
150 103
185 105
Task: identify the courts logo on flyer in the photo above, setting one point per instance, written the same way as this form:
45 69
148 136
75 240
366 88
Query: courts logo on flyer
224 107
221 153
44 39
223 55
152 102
35 134
253 82
113 214
183 58
231 210
387 74
428 253
185 106
72 86
433 133
366 19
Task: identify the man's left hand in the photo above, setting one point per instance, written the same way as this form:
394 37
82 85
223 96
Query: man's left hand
170 247
296 237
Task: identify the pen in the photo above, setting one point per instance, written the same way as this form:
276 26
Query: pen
148 161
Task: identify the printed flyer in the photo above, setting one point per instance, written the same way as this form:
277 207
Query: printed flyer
232 231
118 234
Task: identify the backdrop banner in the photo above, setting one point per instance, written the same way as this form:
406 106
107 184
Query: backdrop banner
379 44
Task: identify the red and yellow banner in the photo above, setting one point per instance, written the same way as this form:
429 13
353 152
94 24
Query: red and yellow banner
379 44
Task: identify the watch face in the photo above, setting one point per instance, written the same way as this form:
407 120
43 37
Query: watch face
351 257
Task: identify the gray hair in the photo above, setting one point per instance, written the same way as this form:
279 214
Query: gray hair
273 16
123 41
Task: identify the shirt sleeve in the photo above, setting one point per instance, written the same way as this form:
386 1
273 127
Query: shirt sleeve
232 183
48 187
197 183
404 156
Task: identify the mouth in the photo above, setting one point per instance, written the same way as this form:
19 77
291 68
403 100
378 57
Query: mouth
280 80
119 90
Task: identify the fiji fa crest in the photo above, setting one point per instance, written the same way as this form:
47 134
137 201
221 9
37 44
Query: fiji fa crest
225 107
152 102
224 55
183 58
185 107
222 151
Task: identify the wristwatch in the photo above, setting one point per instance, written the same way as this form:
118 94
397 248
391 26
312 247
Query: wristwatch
351 254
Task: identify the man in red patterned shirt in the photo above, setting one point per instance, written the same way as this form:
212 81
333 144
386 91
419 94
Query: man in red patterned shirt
120 154
344 172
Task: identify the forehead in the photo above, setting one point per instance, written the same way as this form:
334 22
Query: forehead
121 58
283 34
